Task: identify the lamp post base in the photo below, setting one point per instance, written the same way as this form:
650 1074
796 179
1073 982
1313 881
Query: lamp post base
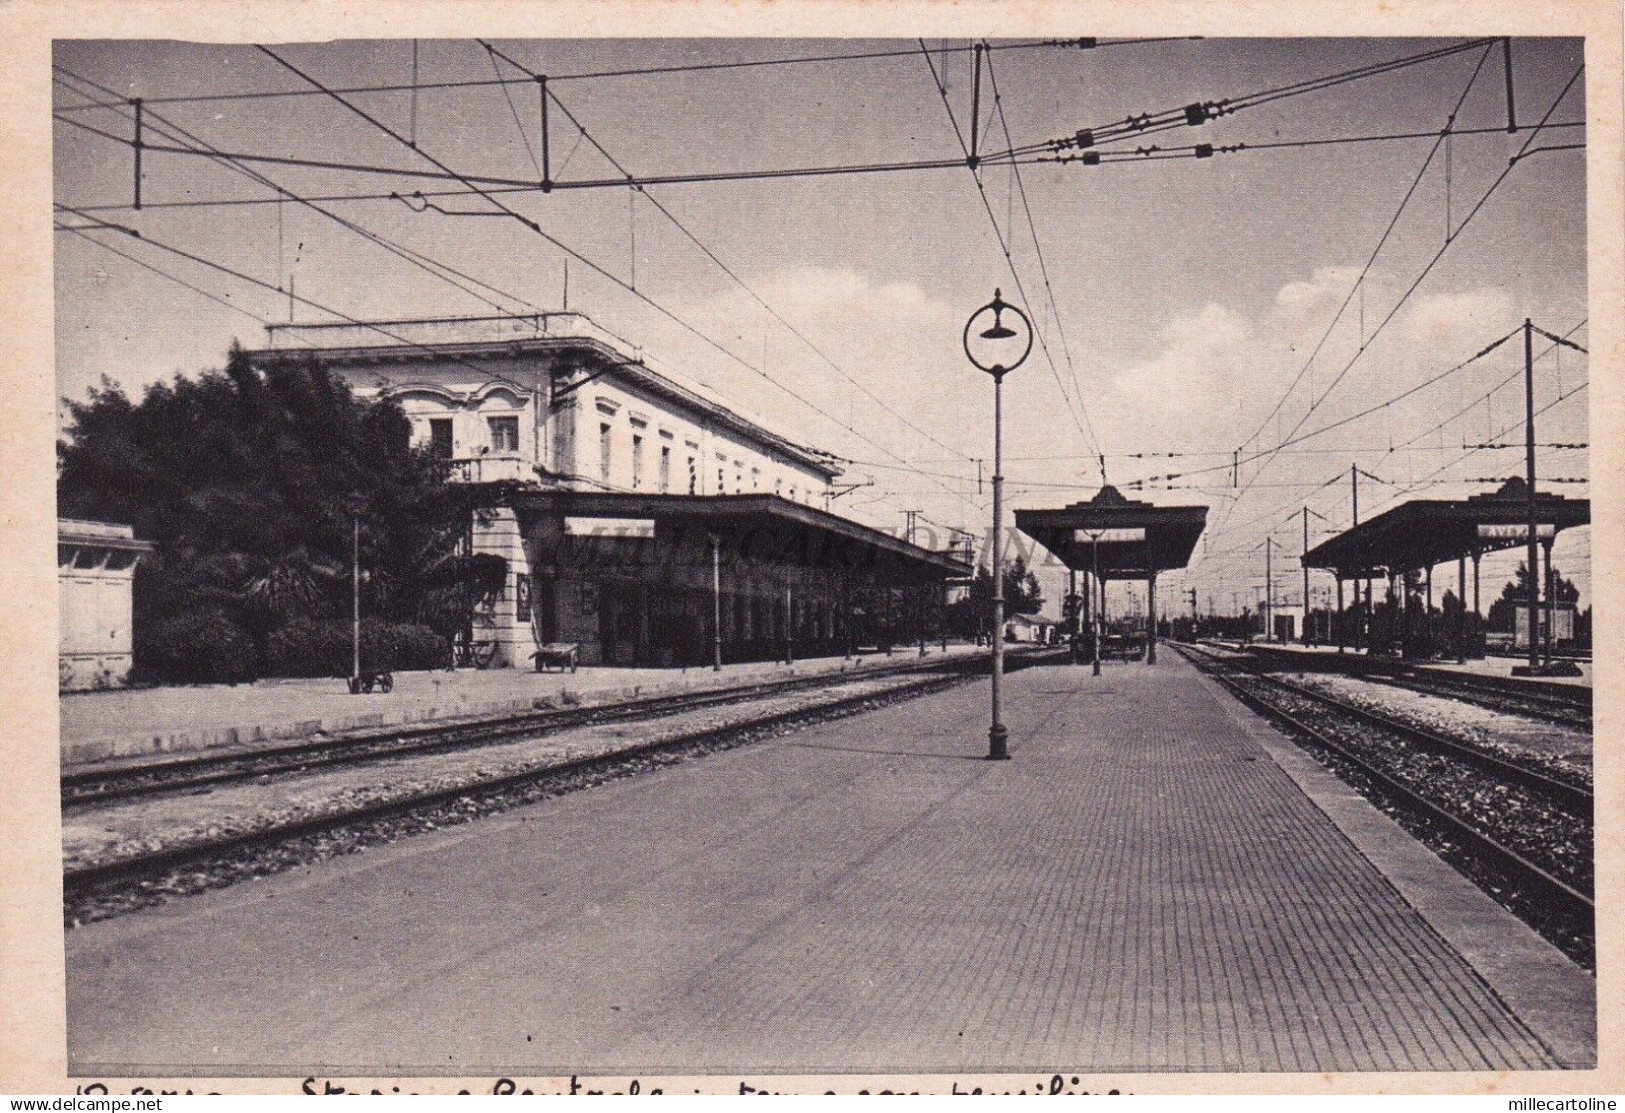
998 748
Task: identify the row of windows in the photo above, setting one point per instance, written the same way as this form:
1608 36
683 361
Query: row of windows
504 434
606 468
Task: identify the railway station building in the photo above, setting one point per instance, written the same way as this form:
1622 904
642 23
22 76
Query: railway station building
642 520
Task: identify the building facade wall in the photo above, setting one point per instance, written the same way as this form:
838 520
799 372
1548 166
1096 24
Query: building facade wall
95 575
557 403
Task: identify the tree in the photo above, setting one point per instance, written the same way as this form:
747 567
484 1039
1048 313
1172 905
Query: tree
249 482
974 613
1516 594
1022 595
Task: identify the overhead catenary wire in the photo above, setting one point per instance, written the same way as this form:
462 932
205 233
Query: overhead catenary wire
714 258
665 211
537 229
445 272
640 71
1084 427
1038 250
1427 269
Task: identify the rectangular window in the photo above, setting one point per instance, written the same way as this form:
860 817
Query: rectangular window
606 448
693 477
504 433
755 478
440 438
637 462
665 468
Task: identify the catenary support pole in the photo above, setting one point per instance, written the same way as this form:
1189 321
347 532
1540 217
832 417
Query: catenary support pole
1529 480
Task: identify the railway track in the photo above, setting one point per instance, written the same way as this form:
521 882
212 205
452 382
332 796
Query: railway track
1565 704
1570 711
105 784
144 878
1549 889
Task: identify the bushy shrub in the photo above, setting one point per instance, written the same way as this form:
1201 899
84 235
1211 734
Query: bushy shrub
313 647
203 646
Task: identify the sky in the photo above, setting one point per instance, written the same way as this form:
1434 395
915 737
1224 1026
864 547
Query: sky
1189 306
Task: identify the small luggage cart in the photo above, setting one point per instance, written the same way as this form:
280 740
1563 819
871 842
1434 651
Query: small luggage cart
566 655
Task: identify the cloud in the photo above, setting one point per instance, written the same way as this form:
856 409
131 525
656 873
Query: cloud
1324 291
1465 319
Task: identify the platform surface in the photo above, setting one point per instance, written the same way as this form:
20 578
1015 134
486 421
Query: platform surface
184 718
1143 887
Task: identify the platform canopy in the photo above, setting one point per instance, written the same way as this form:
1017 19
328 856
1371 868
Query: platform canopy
1425 532
755 527
1131 539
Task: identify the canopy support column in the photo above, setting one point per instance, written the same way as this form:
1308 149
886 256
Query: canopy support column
1551 602
1341 617
1151 619
1461 610
1478 610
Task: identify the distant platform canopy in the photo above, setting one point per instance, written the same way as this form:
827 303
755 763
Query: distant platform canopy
1425 532
1130 539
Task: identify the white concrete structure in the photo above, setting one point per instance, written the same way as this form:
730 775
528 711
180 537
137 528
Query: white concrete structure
95 568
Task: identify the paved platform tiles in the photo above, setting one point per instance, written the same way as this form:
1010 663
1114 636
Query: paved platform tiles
100 725
1142 888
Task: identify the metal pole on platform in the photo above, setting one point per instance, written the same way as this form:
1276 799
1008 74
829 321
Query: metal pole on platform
716 603
1529 480
997 735
355 600
1096 585
1269 589
789 626
998 331
1304 560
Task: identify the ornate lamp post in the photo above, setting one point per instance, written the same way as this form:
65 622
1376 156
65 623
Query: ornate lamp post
992 357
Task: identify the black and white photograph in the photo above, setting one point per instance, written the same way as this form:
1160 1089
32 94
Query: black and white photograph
1039 561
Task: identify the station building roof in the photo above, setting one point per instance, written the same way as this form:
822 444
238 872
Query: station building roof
1425 532
1131 539
467 340
759 527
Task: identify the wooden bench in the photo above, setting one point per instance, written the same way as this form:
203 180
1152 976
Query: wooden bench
563 654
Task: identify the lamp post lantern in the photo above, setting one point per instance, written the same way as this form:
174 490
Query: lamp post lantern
992 358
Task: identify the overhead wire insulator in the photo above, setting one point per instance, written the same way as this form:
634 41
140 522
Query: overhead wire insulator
1091 158
1196 114
1204 150
1084 138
